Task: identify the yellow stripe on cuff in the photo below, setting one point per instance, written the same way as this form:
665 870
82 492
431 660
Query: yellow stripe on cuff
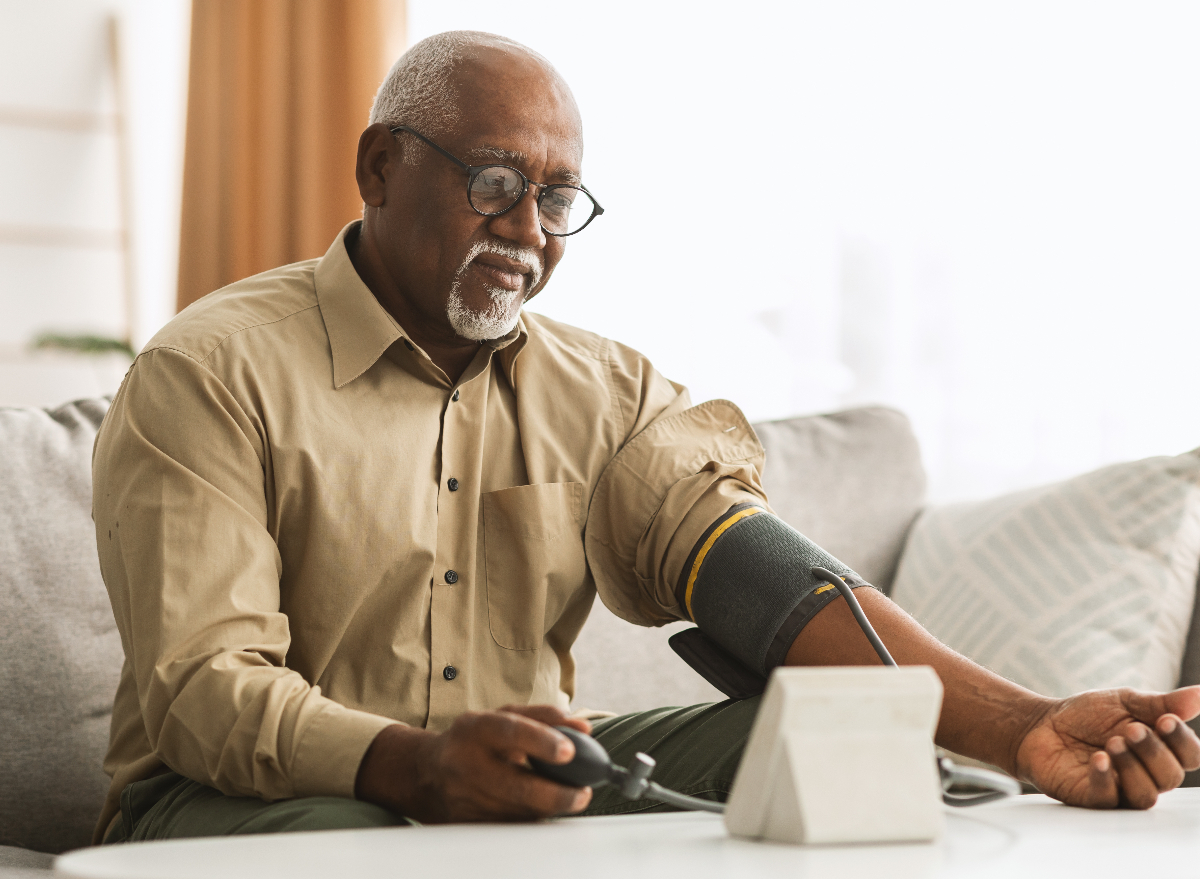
708 544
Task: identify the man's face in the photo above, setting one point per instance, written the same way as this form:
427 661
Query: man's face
468 272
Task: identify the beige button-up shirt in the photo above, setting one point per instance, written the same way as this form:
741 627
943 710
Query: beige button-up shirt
309 532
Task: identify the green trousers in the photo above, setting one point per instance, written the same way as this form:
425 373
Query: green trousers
697 750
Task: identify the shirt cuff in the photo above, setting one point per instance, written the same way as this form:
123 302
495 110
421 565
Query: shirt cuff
331 750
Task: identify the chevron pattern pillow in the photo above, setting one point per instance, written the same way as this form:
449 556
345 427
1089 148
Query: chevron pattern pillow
1083 584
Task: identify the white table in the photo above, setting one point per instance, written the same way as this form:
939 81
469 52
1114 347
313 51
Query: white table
1027 837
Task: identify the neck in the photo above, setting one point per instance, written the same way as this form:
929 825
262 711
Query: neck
450 352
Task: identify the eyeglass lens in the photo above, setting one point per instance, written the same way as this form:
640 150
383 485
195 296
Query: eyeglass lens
563 209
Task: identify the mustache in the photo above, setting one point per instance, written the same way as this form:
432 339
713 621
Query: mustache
526 256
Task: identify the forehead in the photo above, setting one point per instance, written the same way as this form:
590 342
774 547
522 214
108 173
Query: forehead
515 110
554 168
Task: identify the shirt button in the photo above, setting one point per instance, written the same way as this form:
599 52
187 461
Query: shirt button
408 345
452 484
449 672
452 576
454 397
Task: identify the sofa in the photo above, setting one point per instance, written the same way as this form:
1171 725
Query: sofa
853 481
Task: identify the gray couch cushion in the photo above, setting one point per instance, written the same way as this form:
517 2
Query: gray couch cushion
852 481
1079 585
23 862
60 654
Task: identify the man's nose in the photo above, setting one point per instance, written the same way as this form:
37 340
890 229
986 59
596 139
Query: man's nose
521 225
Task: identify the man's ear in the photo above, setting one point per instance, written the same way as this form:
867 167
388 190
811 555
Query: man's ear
376 150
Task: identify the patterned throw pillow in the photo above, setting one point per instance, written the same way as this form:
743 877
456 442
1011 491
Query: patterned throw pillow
1083 584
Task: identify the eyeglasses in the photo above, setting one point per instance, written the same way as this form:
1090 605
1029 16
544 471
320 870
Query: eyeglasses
496 189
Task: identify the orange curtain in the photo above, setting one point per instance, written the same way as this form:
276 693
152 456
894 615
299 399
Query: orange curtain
278 92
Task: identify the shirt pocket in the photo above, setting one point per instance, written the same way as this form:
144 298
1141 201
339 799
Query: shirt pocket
533 558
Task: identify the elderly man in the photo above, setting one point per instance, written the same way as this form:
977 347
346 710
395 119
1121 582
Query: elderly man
353 512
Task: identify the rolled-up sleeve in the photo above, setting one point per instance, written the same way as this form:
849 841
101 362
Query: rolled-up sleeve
182 510
667 484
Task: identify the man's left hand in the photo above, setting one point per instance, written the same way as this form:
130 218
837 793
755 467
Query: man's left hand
1108 748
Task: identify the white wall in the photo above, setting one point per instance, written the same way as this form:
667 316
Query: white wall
54 58
984 213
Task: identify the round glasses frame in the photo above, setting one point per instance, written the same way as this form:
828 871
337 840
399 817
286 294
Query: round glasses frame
474 171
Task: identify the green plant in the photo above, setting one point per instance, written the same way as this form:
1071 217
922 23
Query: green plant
83 344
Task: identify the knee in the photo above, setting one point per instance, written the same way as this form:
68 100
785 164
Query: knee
320 813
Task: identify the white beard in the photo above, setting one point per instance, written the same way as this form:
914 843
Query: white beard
499 317
491 323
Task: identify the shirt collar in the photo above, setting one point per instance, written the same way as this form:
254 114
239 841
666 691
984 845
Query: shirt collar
508 347
360 330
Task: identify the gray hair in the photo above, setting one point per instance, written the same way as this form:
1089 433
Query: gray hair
419 92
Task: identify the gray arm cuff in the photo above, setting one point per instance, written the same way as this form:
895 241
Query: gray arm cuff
754 589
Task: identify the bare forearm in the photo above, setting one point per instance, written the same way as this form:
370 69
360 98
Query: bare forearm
983 715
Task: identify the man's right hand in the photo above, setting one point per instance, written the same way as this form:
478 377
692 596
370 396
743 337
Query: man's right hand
477 770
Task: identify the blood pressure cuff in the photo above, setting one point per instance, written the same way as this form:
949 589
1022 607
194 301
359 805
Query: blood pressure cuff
749 587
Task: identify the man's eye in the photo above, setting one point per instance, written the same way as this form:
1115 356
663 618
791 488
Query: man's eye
557 203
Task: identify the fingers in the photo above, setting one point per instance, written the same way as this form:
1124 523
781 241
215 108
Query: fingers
1184 702
1138 789
1148 707
580 723
1160 762
479 772
1102 783
550 716
1182 741
541 798
515 794
1157 751
1151 761
474 771
518 736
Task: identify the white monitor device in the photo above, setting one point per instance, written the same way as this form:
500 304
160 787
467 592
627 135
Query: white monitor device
842 755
